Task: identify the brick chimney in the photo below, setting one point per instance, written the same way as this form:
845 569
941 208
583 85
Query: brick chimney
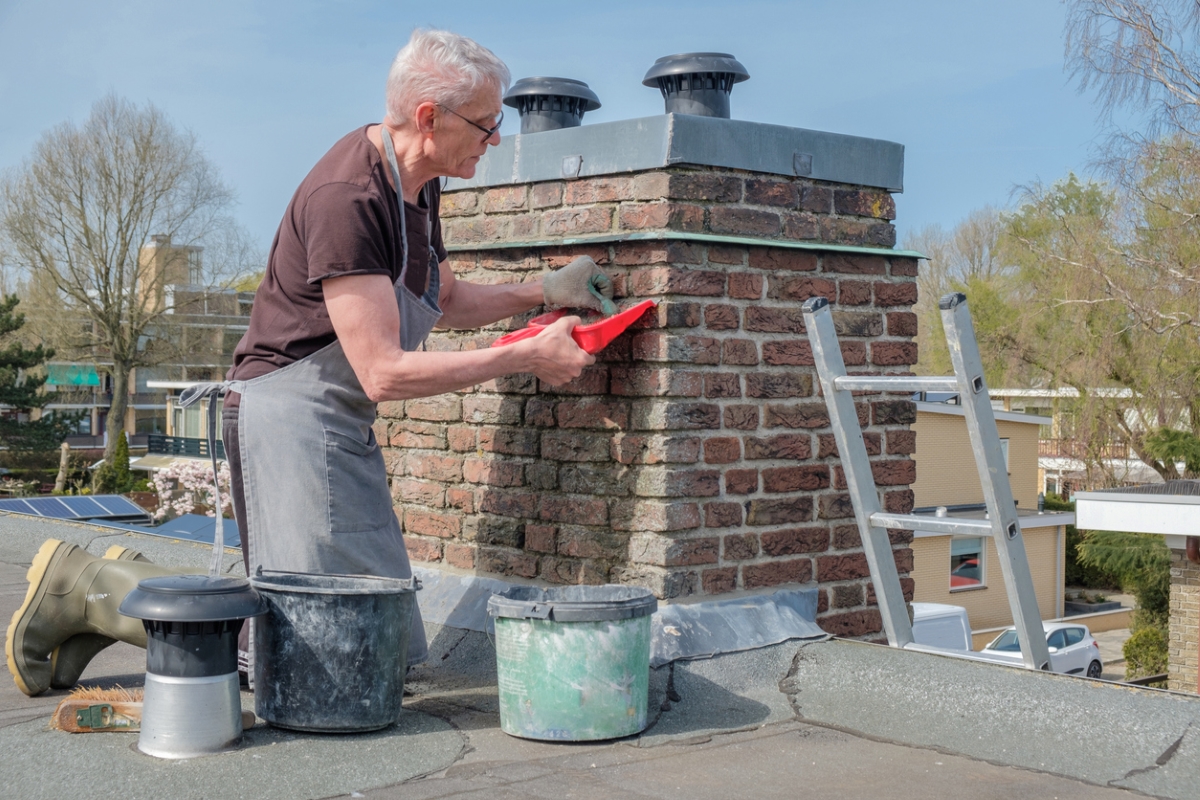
695 457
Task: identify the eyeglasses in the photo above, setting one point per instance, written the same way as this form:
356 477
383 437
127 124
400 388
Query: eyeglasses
489 131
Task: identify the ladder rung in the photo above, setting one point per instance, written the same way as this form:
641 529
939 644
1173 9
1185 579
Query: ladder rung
928 522
894 383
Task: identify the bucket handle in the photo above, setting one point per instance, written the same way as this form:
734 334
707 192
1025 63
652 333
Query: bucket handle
258 573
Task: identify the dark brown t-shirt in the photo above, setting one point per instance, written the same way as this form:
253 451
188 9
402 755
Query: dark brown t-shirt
343 220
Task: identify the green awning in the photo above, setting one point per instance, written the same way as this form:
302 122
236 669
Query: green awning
72 375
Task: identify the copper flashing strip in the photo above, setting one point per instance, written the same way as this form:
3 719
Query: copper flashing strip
680 236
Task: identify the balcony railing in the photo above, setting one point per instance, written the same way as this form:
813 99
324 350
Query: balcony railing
1073 449
161 444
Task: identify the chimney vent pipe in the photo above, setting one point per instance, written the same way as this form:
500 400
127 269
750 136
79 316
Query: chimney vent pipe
547 104
696 83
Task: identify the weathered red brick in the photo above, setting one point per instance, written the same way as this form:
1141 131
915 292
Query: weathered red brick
895 294
788 353
673 216
692 552
546 195
435 468
796 415
502 561
654 515
668 252
774 573
807 478
508 504
509 441
422 549
793 541
719 581
857 323
776 384
854 264
571 221
493 409
560 445
844 567
854 293
818 199
460 555
846 595
739 352
852 623
893 354
774 258
894 412
864 203
461 438
827 445
721 317
901 442
591 412
592 544
835 506
898 501
457 204
412 435
657 415
677 280
894 473
559 570
462 499
493 472
901 323
904 267
642 382
788 446
598 190
656 449
741 481
907 586
722 449
740 546
432 523
425 493
722 384
745 286
800 226
704 186
662 346
505 198
741 417
674 482
781 511
761 192
718 254
592 382
799 289
774 320
442 408
722 515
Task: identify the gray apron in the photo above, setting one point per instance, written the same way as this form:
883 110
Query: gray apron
317 497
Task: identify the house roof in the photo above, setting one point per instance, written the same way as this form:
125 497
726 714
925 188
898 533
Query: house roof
1171 509
1006 416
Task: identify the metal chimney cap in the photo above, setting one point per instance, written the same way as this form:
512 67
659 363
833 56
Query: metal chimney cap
552 87
686 63
192 598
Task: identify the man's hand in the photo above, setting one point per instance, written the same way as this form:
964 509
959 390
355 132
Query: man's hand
580 284
553 356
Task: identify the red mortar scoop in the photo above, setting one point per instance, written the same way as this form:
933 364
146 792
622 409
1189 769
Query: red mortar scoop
593 337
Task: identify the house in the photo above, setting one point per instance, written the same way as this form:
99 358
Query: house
206 322
1171 510
964 570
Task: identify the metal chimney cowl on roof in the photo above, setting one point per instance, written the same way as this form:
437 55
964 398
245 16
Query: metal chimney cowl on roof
549 104
696 83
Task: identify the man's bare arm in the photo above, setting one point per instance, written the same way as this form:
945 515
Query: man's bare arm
367 322
471 305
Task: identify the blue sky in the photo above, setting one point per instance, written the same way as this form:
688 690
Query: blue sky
976 91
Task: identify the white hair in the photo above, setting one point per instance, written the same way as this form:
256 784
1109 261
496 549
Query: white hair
441 67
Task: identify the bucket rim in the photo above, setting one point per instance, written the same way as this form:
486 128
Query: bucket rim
284 581
523 602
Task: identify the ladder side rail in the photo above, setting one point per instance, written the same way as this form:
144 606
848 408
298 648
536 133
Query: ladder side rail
993 476
843 418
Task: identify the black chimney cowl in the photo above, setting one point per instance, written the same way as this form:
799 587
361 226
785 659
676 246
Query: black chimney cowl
548 104
696 83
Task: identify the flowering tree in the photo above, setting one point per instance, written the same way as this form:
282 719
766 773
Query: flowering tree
184 485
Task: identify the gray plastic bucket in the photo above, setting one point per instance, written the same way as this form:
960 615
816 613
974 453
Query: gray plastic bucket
331 652
573 663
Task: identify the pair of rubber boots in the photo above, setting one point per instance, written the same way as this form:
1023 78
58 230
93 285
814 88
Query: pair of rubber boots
70 613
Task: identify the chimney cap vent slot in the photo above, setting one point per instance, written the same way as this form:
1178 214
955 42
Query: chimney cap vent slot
696 83
547 104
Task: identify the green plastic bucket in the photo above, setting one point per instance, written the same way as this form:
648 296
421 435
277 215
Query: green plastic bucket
573 663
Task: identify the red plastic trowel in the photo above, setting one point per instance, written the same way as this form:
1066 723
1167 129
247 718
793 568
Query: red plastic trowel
593 338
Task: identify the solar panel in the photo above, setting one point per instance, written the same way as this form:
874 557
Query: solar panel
84 506
50 507
104 506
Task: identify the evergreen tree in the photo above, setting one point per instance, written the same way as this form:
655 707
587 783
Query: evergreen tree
20 391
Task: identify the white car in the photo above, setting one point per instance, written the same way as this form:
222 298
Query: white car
1073 651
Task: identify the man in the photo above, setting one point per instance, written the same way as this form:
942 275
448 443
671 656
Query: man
356 279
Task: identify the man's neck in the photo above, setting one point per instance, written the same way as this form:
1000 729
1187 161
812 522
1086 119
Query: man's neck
408 160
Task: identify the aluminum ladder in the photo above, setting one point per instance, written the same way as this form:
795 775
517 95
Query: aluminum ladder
873 521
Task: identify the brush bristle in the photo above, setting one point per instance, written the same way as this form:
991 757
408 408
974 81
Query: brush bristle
117 694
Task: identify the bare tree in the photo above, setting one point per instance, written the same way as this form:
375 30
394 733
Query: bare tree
77 216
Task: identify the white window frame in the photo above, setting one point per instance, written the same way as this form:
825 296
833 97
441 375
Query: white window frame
982 551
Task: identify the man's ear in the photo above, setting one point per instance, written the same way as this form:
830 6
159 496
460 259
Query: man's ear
425 117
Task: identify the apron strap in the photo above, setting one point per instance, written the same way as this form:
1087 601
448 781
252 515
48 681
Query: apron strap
190 396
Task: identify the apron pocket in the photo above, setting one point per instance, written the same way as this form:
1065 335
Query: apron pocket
359 498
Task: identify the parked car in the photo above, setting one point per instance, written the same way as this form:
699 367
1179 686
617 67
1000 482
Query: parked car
942 626
1073 651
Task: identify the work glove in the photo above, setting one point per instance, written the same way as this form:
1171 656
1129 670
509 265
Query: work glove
580 284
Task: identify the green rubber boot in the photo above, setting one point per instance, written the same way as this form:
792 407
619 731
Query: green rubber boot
71 592
70 659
